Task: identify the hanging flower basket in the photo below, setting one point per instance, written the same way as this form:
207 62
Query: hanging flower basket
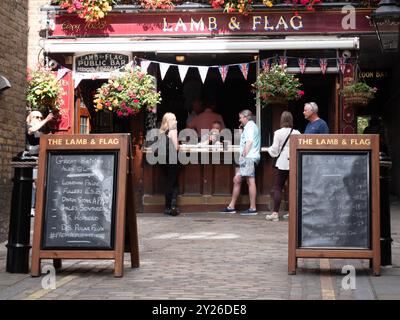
276 101
358 94
359 99
276 86
44 91
128 93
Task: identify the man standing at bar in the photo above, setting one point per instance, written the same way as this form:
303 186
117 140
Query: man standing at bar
316 124
250 144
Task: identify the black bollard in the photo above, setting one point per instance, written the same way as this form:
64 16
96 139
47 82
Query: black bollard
20 218
385 165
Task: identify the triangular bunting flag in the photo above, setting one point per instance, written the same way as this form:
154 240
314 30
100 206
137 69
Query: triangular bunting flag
203 72
77 79
283 62
144 65
223 70
163 69
244 67
62 72
302 64
183 71
265 65
323 64
342 65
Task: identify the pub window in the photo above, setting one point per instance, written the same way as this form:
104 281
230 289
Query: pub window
84 127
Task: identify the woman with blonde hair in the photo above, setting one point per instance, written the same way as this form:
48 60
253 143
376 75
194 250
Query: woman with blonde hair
34 129
280 151
169 129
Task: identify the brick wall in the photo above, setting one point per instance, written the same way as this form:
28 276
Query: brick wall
13 55
34 27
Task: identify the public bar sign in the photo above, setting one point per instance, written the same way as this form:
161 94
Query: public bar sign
334 198
215 24
100 62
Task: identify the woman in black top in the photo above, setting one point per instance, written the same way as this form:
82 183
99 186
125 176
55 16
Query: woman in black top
169 128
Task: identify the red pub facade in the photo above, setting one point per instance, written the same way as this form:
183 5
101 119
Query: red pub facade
185 49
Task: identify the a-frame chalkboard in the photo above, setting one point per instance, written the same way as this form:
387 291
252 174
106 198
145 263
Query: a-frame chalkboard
81 207
334 198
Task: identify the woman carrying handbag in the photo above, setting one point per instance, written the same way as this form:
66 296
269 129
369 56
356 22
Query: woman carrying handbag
280 151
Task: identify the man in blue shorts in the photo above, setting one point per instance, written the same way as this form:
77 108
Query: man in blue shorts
316 124
250 145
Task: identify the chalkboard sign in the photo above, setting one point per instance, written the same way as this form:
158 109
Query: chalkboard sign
80 200
334 198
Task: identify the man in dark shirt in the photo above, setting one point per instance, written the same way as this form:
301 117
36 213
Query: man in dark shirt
316 124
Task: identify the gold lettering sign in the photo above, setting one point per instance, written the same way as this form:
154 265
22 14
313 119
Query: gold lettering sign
334 142
82 141
189 24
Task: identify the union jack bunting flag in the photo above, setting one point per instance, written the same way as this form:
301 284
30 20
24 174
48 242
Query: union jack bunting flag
283 62
302 64
342 65
265 65
223 70
244 67
323 64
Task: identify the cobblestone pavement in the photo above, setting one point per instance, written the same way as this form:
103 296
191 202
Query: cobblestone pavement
206 256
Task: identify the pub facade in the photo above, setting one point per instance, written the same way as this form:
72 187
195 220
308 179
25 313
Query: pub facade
196 52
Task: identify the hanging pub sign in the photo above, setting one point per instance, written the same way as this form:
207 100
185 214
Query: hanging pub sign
100 62
334 198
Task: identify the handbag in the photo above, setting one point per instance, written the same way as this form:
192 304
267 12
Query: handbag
284 144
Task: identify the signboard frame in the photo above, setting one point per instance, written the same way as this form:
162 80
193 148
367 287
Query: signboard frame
124 209
330 144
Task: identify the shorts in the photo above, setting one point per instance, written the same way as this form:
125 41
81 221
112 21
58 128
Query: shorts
247 167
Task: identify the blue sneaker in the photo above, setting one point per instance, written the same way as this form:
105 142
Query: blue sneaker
249 212
228 210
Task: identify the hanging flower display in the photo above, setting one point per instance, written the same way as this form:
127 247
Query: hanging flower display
276 84
44 91
241 6
90 10
358 94
157 4
128 93
309 4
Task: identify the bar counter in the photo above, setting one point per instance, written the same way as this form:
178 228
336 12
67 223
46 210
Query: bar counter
204 186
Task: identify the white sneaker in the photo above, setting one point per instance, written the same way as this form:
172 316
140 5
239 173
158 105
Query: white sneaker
272 217
286 216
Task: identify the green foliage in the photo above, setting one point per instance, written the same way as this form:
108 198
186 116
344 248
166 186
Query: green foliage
44 91
128 93
276 82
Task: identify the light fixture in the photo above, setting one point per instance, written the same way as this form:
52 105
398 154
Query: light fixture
180 58
386 20
4 84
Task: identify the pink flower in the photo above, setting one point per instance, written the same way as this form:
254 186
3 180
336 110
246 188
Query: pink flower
120 113
300 93
77 4
120 88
